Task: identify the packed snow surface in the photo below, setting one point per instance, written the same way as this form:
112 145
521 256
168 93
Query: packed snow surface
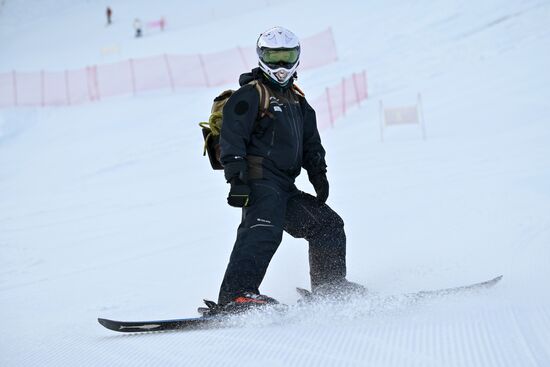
109 210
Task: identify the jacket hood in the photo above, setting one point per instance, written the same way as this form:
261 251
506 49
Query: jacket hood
248 77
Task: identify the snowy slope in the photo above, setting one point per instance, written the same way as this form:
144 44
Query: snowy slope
109 210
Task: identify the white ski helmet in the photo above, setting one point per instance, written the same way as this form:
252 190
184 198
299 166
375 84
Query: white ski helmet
278 52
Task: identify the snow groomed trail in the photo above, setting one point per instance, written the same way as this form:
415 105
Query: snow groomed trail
108 209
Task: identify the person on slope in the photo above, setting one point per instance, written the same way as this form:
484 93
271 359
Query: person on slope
137 27
109 14
262 154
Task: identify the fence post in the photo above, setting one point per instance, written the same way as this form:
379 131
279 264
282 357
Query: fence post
381 113
42 98
67 91
205 74
169 71
365 84
421 113
329 108
132 73
14 82
344 96
96 83
88 80
357 97
93 84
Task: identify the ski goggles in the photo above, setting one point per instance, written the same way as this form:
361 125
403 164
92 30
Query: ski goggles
280 56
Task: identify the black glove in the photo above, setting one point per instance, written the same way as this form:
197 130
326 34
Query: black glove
239 194
320 184
236 173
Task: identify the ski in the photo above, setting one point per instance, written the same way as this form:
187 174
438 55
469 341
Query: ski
211 318
192 323
208 321
454 290
309 296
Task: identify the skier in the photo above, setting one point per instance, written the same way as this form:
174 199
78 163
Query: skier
262 154
109 14
162 23
137 27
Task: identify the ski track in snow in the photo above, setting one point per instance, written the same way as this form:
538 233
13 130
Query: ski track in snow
108 209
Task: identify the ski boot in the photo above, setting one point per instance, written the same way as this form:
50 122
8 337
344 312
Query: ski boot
338 290
245 302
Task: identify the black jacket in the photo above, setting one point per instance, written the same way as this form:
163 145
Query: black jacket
279 143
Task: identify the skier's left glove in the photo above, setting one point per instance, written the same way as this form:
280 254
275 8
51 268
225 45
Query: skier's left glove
320 184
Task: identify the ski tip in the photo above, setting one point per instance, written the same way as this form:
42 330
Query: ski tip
489 283
109 324
494 280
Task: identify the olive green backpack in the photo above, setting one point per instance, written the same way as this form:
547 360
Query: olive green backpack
212 128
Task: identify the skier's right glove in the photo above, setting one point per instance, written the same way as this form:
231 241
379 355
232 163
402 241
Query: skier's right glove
320 184
239 194
236 173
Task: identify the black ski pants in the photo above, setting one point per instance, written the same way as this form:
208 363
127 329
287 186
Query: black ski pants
274 208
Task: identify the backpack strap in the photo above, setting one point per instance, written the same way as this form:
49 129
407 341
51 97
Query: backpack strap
298 91
263 91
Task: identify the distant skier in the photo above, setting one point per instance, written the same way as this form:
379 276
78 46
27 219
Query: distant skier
137 27
162 23
109 14
262 154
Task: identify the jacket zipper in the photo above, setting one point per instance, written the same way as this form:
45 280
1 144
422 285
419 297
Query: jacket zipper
294 125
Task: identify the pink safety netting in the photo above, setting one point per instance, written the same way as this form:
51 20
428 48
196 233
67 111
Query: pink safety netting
337 99
133 76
